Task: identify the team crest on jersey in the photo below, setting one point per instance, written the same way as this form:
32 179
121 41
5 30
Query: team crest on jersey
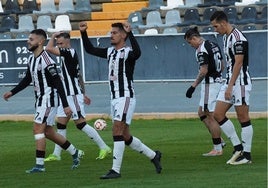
52 70
200 57
239 47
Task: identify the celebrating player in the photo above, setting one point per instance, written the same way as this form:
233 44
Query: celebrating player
121 59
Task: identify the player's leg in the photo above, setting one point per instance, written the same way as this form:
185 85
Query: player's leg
93 135
62 121
137 145
228 128
242 111
208 119
40 142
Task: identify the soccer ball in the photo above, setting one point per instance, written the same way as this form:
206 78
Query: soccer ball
100 124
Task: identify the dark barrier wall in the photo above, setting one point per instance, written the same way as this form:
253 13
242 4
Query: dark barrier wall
163 58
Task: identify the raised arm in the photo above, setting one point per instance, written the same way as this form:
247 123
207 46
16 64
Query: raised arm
88 46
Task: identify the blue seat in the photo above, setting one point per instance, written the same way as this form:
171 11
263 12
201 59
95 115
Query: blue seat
263 16
7 23
81 6
29 6
25 24
248 15
208 29
135 19
209 3
249 27
231 13
153 19
12 7
154 5
207 14
227 3
191 17
172 18
5 36
170 30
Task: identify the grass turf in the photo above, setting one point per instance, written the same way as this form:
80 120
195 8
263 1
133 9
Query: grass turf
182 142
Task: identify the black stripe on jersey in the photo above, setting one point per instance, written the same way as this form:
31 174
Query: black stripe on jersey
120 73
112 72
41 83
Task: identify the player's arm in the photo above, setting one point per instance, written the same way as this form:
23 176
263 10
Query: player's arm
136 52
87 100
88 46
57 83
239 50
51 48
203 70
22 85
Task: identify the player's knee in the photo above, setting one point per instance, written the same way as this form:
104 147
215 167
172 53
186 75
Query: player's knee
129 141
39 136
61 126
202 117
80 126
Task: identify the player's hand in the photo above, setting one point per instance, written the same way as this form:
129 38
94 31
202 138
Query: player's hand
7 95
190 91
68 111
228 93
127 27
83 26
87 100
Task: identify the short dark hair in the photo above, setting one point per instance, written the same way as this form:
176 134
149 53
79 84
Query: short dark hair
219 16
192 32
64 35
119 25
39 32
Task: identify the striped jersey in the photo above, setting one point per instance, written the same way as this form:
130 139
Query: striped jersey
209 53
70 71
42 68
236 44
121 65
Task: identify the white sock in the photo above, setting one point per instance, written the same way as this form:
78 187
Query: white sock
94 135
118 152
246 135
218 147
71 149
57 148
137 145
39 161
229 131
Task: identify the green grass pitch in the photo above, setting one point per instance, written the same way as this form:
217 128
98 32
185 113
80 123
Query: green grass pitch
181 141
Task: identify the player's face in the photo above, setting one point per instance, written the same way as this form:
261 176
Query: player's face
62 42
219 27
194 41
117 36
34 41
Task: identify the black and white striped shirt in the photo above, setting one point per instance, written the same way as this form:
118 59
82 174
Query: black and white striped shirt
121 65
236 44
70 71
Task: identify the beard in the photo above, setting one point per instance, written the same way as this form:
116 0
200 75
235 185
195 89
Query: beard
33 48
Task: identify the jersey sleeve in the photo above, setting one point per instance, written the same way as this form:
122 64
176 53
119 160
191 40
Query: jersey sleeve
136 52
202 58
23 83
240 47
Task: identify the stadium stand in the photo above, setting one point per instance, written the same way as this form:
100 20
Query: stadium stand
135 19
7 23
29 6
209 3
62 23
1 8
191 17
151 31
154 5
263 17
81 6
206 15
21 35
231 12
170 30
25 24
5 36
245 2
208 29
12 7
44 22
46 7
191 3
249 27
153 19
248 15
227 2
65 6
172 18
171 4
